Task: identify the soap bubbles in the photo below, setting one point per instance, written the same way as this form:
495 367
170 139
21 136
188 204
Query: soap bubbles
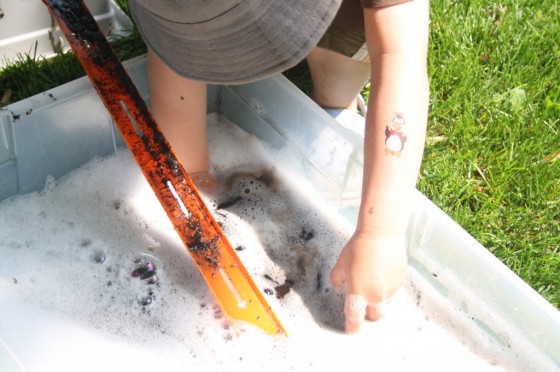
145 268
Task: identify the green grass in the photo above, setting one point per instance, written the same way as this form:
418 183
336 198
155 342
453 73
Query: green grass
29 74
492 159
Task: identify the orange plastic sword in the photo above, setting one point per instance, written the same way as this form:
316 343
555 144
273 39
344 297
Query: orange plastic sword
229 281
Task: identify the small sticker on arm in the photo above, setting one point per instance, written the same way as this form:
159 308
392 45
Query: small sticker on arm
394 136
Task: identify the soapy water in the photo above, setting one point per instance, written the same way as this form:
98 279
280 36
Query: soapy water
96 249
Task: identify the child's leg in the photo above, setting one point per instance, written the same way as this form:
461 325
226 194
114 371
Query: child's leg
337 79
179 107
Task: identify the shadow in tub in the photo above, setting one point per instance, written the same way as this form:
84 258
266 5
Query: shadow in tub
287 245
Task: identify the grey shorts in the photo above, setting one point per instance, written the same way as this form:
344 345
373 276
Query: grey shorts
346 34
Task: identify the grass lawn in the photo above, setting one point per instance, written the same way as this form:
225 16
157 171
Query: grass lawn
492 159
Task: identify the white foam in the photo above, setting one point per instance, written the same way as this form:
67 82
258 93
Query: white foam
69 251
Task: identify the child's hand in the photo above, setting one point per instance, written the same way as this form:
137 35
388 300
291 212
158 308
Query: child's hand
371 268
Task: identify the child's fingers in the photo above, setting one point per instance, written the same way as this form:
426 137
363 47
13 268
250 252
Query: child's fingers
354 312
356 309
375 311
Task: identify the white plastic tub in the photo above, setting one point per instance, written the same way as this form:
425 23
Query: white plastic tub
26 27
49 135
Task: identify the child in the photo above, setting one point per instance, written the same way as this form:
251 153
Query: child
194 42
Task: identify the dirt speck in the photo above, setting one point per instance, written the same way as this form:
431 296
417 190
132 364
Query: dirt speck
283 289
306 235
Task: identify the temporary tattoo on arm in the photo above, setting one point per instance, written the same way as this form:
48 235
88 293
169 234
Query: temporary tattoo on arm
395 137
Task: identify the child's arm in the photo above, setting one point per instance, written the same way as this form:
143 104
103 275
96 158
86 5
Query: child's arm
372 266
179 106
